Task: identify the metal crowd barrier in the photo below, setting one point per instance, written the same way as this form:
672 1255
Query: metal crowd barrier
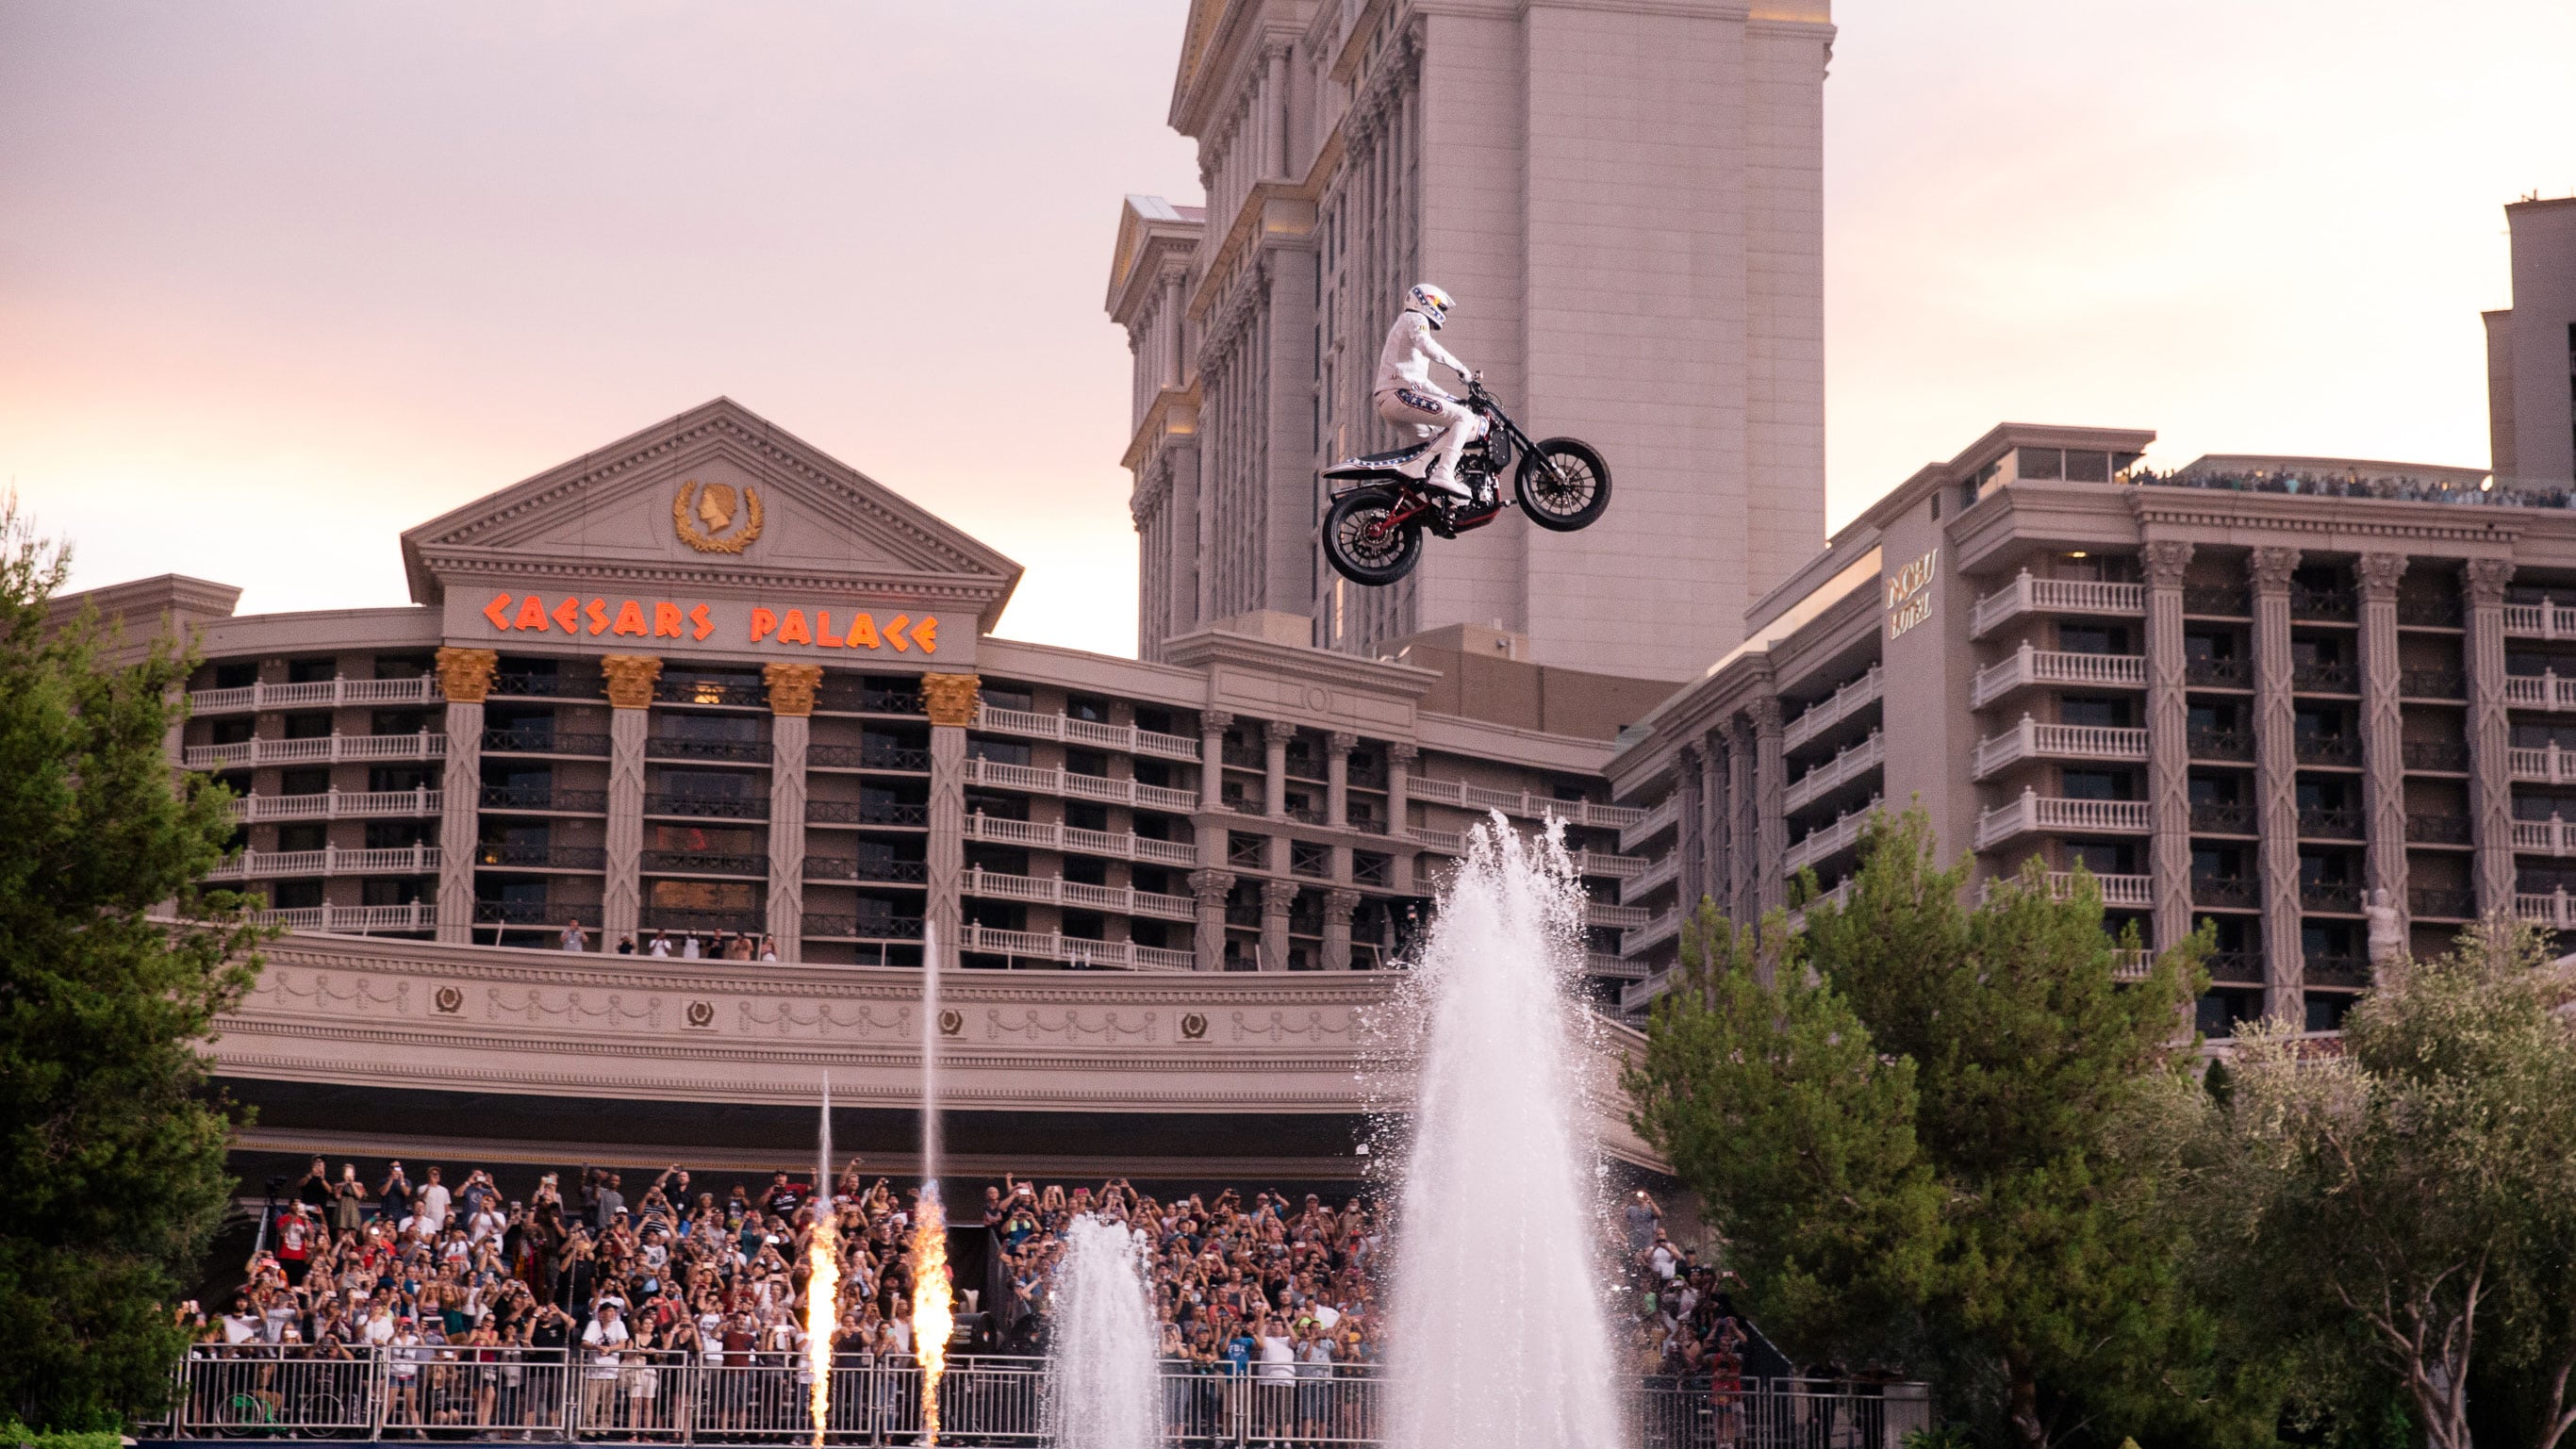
435 1392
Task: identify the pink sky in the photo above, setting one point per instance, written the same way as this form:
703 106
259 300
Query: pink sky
279 280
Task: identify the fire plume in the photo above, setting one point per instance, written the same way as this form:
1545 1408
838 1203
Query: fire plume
931 1319
822 1314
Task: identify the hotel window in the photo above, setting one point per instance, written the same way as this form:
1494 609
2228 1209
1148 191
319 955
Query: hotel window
311 671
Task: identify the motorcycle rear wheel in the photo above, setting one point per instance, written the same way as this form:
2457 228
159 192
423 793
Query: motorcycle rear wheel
1569 495
1362 546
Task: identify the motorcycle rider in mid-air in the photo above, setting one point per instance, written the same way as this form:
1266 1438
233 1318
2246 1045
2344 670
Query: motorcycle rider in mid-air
1406 397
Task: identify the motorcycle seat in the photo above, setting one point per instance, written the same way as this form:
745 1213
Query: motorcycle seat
1400 455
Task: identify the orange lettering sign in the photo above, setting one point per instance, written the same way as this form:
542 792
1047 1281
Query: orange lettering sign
628 618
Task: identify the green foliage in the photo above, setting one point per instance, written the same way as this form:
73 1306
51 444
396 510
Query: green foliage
112 1172
14 1433
2402 1213
1931 1130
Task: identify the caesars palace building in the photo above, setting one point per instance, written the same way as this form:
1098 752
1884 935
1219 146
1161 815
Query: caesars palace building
707 679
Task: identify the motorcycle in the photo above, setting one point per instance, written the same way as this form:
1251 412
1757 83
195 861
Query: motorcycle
1381 504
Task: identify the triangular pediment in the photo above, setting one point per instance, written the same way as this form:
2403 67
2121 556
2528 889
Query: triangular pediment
716 495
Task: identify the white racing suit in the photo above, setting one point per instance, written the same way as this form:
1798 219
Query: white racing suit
1406 397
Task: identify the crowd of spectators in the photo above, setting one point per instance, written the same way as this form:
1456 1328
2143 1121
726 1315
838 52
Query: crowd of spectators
2350 483
1268 1289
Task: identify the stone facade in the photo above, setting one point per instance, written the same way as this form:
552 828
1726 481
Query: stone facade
1627 200
2531 349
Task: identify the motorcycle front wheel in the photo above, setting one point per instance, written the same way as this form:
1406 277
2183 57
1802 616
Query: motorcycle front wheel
1363 545
1563 485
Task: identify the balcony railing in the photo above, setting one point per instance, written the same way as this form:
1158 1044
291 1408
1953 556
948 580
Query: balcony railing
994 774
535 913
2323 968
2541 621
2221 890
2028 666
708 807
2442 903
2549 766
1089 732
1650 822
2026 594
315 694
1613 867
2033 740
2329 896
2124 891
2222 817
2219 743
2437 829
2223 601
316 750
1523 804
849 696
2326 749
711 692
2447 684
872 755
1843 769
2545 690
836 926
2310 603
541 857
1659 873
1822 843
2452 755
866 812
1073 951
2321 676
2556 910
739 752
2211 672
694 921
354 920
329 860
2319 822
339 805
543 742
2429 611
1833 709
886 869
704 862
1057 891
1838 897
2236 968
547 686
546 799
1050 836
2035 812
2552 836
1653 932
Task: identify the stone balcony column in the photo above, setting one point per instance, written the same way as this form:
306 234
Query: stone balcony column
1690 838
630 680
1744 862
1338 905
1275 735
1771 889
2276 781
2168 742
1400 757
1212 823
1212 727
2383 732
466 676
1275 898
949 700
1713 821
1337 778
1207 942
791 721
2483 581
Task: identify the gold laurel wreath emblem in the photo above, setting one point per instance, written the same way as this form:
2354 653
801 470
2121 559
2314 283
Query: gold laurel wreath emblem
703 542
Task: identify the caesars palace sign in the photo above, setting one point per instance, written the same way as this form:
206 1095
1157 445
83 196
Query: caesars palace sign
705 518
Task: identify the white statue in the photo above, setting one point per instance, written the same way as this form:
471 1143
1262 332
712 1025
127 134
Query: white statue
2387 938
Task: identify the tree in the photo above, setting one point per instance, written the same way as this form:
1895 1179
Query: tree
1990 1061
114 1177
2404 1210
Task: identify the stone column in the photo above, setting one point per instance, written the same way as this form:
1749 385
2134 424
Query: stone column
1338 905
1771 890
1213 724
1400 756
1275 735
2383 732
1210 888
949 700
1745 860
630 699
2483 580
2276 779
466 676
1690 840
1337 778
2168 742
1712 810
791 721
1275 896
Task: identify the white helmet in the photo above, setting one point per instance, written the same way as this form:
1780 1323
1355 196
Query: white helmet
1430 301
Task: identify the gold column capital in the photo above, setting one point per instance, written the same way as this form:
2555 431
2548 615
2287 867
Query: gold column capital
630 679
791 687
950 699
465 675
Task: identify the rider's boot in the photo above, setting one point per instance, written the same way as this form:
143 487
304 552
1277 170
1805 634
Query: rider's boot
1444 482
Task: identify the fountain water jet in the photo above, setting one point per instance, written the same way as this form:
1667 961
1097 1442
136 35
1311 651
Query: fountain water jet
931 1289
823 1279
1496 1335
1102 1374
